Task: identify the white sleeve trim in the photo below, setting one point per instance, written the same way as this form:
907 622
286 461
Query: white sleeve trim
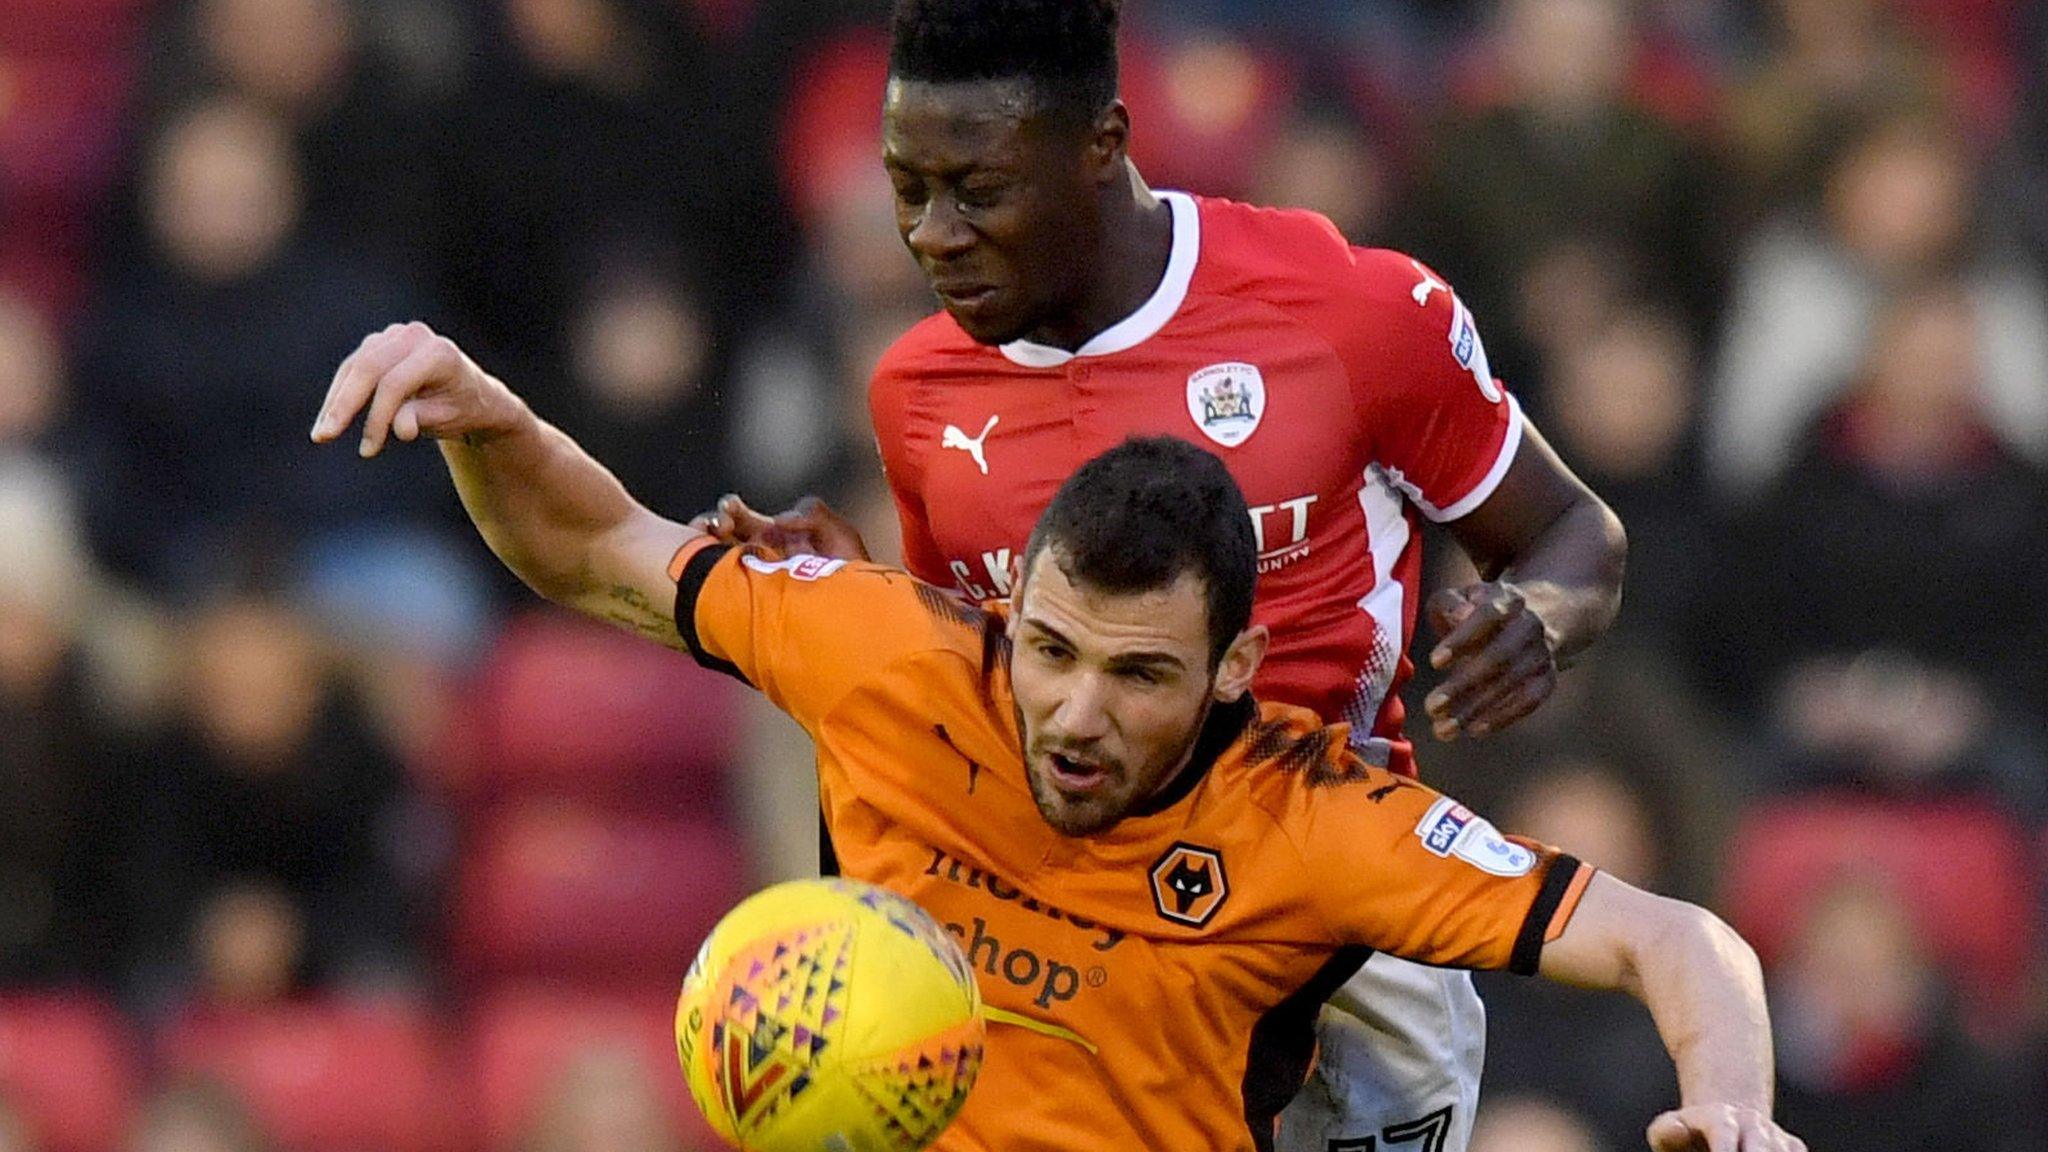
1509 445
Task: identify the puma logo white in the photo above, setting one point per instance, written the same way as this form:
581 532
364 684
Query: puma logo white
953 437
1429 284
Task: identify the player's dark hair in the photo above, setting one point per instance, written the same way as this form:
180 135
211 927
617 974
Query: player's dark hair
1138 516
1065 48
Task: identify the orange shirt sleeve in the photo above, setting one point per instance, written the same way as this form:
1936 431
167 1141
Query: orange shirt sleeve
805 630
1419 875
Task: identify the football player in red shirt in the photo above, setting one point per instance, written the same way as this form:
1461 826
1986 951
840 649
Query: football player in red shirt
1346 389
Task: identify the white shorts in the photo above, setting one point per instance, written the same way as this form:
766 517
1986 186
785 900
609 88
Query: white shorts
1402 1045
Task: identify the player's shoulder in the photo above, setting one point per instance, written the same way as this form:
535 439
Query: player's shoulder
1299 771
889 611
933 344
1295 254
1238 237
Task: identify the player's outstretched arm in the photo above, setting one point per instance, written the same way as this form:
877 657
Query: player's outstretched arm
555 516
1703 985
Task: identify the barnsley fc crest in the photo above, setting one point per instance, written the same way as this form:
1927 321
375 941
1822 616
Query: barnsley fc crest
1227 401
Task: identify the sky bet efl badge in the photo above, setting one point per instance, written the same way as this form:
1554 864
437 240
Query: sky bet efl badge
1227 402
1451 829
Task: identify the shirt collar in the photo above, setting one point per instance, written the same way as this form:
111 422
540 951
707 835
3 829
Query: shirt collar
1152 315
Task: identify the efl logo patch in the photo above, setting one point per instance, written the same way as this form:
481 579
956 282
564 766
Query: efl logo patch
806 568
1469 352
1451 829
1188 884
1227 401
1442 824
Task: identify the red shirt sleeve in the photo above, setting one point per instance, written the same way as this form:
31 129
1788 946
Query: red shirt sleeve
888 408
1437 420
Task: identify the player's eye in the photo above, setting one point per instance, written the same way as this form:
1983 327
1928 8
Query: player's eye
1142 674
1053 653
909 192
980 195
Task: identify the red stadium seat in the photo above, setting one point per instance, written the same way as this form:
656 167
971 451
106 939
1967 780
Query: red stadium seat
330 1076
566 892
68 1064
61 123
1963 868
48 26
519 1041
568 709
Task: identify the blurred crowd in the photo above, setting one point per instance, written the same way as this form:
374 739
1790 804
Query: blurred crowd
317 834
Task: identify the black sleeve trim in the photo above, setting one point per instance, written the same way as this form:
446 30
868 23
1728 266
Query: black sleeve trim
688 587
1529 942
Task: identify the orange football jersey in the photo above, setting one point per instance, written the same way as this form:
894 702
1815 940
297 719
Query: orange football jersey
1155 985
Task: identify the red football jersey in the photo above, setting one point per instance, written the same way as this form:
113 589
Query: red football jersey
1346 389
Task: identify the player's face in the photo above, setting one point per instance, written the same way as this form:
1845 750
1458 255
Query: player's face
995 199
1111 692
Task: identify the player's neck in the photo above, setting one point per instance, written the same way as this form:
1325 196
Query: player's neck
1130 260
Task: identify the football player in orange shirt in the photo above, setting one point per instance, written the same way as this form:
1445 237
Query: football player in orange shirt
1154 876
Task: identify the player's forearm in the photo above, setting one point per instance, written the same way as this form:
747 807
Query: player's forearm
542 504
1570 575
1705 989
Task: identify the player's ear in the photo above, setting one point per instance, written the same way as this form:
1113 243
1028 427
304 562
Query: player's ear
1109 142
1240 663
1016 576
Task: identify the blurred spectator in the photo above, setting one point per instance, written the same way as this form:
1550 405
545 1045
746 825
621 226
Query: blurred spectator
1869 1053
1597 813
1827 64
1562 157
1512 1123
1619 1076
65 762
647 400
361 138
1629 707
31 376
1621 408
196 1116
1900 523
592 123
198 366
14 1133
603 1100
1205 103
802 379
2020 187
1897 209
270 779
249 942
1319 158
1885 722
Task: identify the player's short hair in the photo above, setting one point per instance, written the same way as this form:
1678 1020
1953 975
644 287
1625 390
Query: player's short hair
1137 517
1065 48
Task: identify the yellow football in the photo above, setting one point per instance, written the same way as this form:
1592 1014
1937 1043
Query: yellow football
829 1016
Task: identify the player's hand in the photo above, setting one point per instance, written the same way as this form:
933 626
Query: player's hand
811 528
1720 1128
1500 660
408 382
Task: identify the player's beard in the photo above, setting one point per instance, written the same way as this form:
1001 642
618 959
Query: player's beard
1125 791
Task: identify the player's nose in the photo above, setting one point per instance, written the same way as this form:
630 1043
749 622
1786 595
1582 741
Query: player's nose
1083 714
939 234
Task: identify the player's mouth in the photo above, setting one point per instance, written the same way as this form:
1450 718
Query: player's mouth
1075 776
964 297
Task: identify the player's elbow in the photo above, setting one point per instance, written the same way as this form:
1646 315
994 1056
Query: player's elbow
1673 933
1613 537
